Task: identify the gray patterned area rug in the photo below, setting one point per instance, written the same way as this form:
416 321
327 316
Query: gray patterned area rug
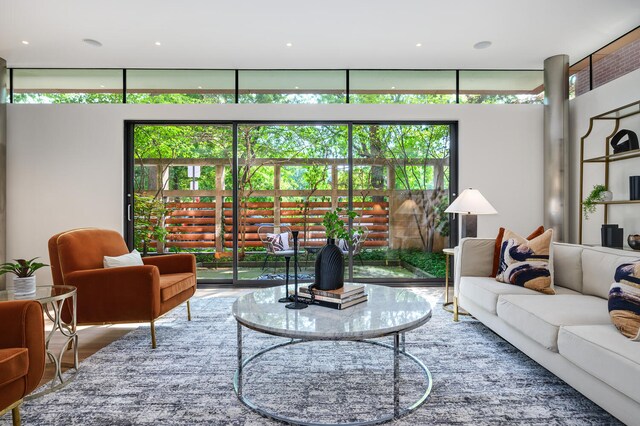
478 378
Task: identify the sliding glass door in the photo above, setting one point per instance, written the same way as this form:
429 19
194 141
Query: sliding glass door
184 195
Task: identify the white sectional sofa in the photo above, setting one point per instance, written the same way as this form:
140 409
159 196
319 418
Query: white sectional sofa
569 333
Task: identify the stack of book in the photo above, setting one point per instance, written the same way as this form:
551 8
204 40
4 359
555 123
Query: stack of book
349 295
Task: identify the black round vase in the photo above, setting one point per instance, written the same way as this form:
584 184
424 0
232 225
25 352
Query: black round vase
329 267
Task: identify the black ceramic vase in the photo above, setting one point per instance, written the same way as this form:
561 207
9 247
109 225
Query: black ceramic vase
329 267
634 241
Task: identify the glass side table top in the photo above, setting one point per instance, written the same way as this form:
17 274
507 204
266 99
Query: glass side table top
43 293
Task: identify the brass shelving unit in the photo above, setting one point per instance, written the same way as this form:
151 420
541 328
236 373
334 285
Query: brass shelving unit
614 116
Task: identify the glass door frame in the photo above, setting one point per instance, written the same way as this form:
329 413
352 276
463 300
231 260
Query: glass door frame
129 161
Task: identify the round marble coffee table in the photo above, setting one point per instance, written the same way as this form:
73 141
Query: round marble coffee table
388 312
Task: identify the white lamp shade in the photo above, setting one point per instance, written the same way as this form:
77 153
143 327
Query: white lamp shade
471 201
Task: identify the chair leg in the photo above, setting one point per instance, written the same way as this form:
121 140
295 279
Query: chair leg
188 310
15 413
153 334
264 265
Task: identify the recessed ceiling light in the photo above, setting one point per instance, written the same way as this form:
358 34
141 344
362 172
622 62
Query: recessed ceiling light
25 42
482 45
289 44
297 87
418 44
199 87
102 86
393 87
92 42
158 43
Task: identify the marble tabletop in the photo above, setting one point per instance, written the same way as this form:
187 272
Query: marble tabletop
389 310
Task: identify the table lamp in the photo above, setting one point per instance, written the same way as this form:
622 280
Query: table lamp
469 204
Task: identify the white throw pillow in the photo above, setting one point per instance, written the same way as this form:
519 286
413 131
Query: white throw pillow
131 259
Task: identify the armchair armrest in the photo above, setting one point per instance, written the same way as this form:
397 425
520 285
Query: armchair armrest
22 326
473 257
130 293
172 263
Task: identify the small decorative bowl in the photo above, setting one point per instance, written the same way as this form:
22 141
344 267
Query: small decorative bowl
634 241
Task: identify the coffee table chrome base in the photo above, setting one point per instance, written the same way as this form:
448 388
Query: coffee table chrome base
398 348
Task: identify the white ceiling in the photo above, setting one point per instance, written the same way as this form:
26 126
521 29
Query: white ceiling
324 34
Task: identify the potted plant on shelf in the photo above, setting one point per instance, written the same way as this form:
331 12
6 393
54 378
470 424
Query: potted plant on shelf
24 282
598 194
329 268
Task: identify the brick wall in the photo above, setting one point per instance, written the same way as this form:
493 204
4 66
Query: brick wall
610 67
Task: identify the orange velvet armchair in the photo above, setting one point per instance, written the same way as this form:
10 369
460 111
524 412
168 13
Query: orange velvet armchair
119 295
22 356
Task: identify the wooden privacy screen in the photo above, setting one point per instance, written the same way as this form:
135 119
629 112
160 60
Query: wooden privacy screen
203 226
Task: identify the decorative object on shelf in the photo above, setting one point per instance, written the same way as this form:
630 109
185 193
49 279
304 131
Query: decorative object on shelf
598 194
612 236
469 204
634 187
628 145
296 304
634 241
24 282
329 268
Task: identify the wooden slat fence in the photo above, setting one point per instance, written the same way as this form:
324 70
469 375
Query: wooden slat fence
193 225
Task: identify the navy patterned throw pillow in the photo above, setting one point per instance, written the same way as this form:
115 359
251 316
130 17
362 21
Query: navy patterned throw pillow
624 300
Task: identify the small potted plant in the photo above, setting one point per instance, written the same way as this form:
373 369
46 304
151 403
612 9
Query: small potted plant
335 227
598 194
24 282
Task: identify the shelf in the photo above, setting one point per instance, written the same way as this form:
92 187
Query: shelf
620 113
615 157
618 202
613 118
625 248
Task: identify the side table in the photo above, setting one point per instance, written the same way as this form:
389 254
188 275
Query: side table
53 300
449 253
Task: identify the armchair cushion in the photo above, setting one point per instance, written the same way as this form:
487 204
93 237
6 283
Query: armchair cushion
173 284
129 259
14 364
172 263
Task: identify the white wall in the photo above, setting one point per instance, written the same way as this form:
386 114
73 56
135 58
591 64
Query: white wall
65 162
617 93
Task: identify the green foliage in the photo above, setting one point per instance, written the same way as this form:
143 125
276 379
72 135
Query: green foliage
148 226
336 228
434 263
21 268
589 204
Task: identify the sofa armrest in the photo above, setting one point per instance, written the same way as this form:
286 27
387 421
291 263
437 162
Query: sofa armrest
22 326
173 263
130 293
473 257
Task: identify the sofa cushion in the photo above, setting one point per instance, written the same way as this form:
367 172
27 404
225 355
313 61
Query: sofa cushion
567 266
603 352
527 263
14 363
624 300
172 284
540 318
599 267
484 291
